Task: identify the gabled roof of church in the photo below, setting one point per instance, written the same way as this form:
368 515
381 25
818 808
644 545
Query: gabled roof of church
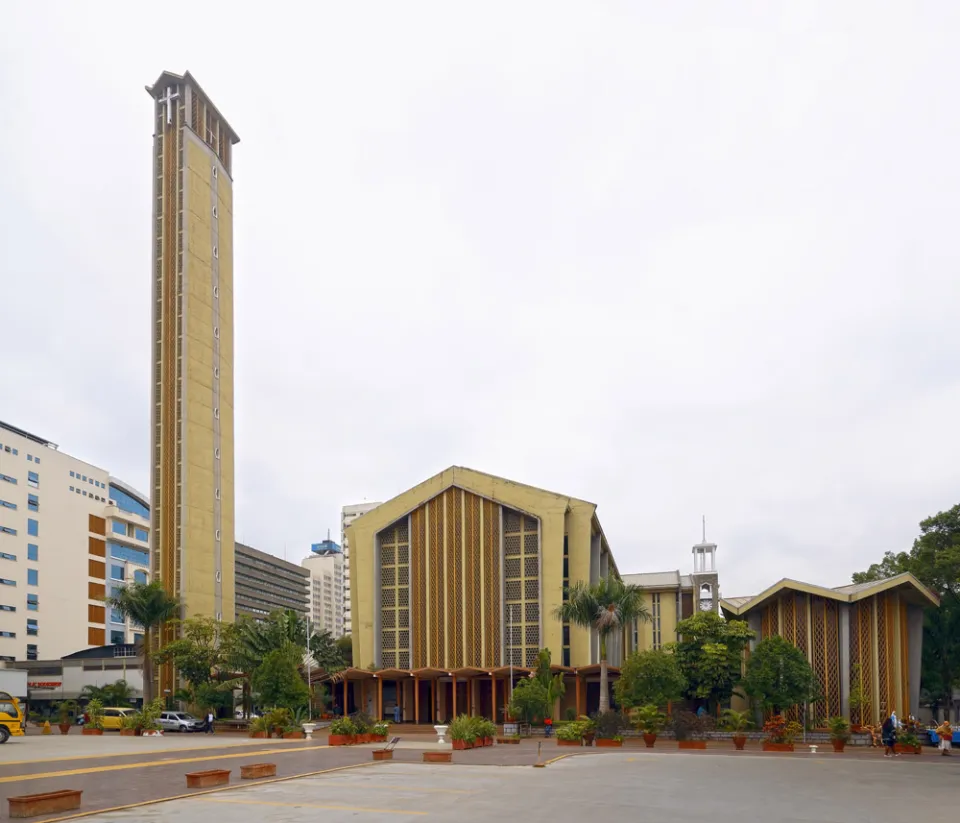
906 582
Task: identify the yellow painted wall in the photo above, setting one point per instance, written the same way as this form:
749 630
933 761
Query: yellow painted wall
557 514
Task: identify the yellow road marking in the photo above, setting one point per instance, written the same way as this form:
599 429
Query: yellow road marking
312 806
149 763
372 785
555 759
240 787
135 754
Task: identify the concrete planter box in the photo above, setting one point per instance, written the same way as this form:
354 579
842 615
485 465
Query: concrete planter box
606 743
340 740
128 732
91 731
252 771
29 805
294 736
900 748
382 754
438 757
568 742
692 744
204 780
259 735
777 747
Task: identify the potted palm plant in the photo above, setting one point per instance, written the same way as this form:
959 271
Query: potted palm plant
65 710
736 723
462 732
648 720
839 732
342 732
362 724
260 728
95 713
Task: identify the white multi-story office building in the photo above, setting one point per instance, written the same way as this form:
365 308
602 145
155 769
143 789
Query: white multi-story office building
326 567
60 549
348 515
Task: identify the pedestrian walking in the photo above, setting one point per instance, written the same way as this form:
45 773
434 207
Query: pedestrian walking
945 733
888 736
209 729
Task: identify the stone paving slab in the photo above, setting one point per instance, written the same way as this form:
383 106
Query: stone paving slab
619 786
63 747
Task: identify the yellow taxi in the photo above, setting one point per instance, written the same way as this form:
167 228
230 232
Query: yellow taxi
113 717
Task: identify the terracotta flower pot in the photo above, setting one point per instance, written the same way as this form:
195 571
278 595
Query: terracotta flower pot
568 742
128 732
206 779
649 739
382 754
92 731
64 728
902 748
838 745
777 747
437 757
607 743
459 745
254 771
293 735
488 741
739 741
588 738
693 744
262 735
29 805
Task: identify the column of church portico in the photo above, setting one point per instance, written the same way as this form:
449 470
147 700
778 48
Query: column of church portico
845 660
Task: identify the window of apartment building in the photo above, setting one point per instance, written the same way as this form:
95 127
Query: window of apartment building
33 527
33 502
8 634
119 528
7 505
7 530
33 602
141 534
33 577
7 608
31 651
126 553
5 582
32 626
116 572
116 616
36 459
7 556
116 638
8 478
139 576
33 552
33 480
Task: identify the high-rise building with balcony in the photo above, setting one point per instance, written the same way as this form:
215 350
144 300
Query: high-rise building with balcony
326 565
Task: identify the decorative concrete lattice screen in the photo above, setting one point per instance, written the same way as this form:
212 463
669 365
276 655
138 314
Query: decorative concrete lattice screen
521 575
455 568
395 596
861 660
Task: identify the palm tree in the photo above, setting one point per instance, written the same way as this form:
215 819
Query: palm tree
149 605
605 607
118 693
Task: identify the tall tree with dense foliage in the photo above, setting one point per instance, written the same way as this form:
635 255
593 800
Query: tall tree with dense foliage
779 676
278 682
345 645
934 560
530 700
553 683
149 605
202 655
606 607
709 653
651 677
326 652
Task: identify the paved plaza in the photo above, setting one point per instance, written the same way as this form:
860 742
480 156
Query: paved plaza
633 784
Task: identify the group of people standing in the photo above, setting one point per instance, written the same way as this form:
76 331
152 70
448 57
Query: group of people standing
891 726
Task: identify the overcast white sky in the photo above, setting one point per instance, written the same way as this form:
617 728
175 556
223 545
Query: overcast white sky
677 259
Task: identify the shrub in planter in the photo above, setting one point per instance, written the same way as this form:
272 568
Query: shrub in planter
908 743
278 720
571 734
839 732
570 714
342 731
780 734
259 727
65 709
95 713
379 732
607 725
648 720
737 723
690 729
462 732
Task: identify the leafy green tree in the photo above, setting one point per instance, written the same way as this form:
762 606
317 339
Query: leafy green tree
651 677
118 693
345 644
149 605
934 559
326 652
202 656
710 653
778 676
529 701
606 607
277 681
553 683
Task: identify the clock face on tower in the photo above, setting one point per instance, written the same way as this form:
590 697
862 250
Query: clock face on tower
706 604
